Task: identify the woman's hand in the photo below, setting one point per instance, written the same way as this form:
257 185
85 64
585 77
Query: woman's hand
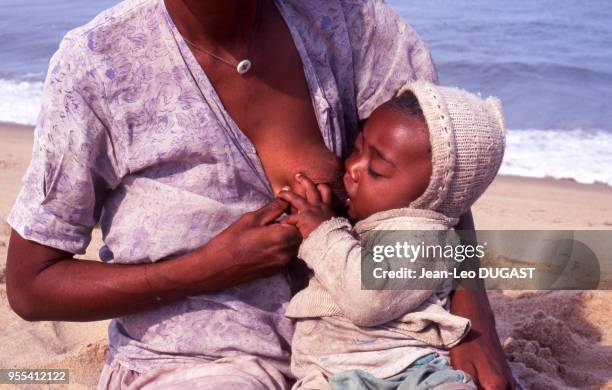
313 209
255 245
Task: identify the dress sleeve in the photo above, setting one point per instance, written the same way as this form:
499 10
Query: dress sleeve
73 162
387 53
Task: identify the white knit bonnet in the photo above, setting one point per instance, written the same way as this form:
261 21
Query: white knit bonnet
467 144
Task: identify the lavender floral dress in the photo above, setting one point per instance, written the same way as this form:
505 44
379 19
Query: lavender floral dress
133 135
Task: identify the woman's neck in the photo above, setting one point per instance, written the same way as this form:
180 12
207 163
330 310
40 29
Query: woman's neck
214 22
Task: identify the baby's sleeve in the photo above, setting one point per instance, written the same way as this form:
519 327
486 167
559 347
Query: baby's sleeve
387 53
335 256
73 162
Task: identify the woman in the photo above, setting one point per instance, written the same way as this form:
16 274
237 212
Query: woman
170 122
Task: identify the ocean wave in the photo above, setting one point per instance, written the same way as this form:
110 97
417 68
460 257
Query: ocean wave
20 101
512 70
579 154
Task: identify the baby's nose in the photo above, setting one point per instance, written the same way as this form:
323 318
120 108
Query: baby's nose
351 165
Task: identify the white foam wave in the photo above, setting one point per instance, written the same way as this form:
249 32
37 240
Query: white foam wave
584 155
20 101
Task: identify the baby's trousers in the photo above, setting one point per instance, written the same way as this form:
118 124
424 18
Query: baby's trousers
429 372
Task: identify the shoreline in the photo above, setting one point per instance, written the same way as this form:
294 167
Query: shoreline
11 127
4 124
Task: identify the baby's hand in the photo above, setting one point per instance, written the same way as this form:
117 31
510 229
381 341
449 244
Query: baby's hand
312 210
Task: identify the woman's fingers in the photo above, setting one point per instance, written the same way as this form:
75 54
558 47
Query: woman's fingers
270 212
294 199
312 193
326 193
290 220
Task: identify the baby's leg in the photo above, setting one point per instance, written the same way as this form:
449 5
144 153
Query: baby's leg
429 372
457 386
435 372
314 380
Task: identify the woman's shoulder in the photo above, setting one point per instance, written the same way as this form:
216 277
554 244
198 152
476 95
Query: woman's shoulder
126 20
370 26
368 12
364 11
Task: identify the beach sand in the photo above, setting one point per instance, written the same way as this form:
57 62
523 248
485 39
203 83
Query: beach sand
554 340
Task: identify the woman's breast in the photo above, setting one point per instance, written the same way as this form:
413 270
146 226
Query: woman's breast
281 161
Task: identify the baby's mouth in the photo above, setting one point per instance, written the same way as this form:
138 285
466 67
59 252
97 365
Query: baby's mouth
349 188
337 187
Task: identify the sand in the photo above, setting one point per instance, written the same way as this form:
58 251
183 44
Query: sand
554 340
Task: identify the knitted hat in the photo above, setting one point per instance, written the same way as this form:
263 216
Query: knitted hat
467 140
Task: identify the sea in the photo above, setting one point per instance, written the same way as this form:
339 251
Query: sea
549 61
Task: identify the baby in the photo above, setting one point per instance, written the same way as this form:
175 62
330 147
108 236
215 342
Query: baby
422 160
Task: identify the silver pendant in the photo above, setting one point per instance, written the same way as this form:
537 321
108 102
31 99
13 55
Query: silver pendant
243 66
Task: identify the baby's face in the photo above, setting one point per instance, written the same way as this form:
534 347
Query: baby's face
391 164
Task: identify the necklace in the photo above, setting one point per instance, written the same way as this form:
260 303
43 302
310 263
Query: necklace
244 65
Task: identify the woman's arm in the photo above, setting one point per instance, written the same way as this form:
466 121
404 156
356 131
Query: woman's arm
480 354
48 284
